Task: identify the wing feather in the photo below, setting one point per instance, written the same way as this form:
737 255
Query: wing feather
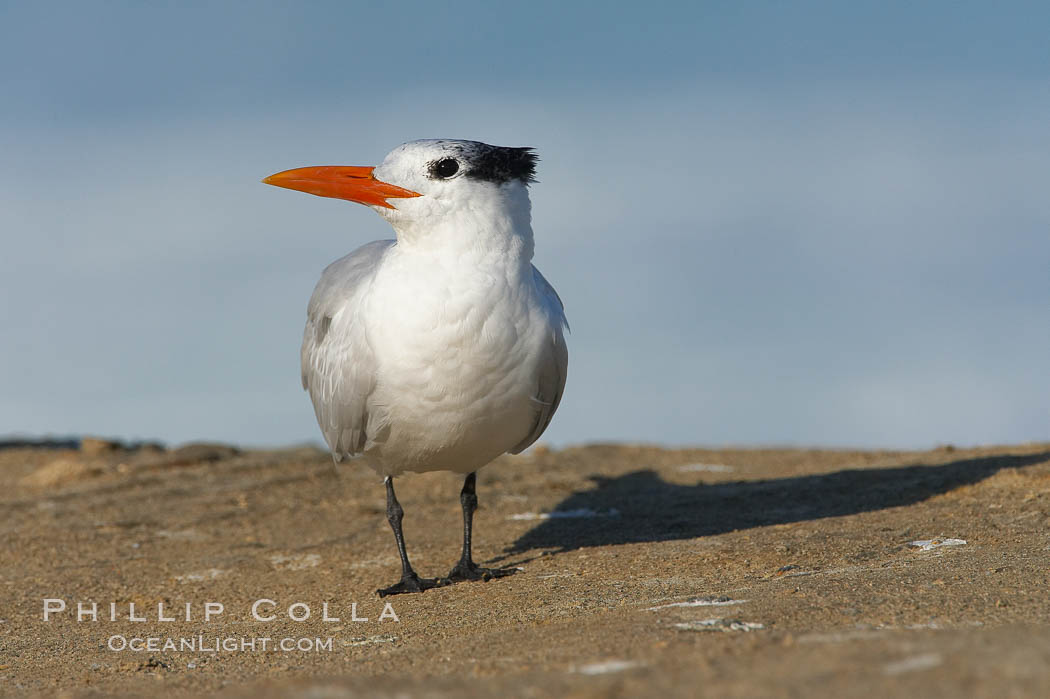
554 364
338 365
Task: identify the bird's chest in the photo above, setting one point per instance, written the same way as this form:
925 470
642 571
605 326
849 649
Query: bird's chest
452 339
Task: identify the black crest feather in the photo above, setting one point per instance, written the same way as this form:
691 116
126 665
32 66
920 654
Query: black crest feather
497 164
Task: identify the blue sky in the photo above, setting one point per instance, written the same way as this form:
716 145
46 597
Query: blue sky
772 223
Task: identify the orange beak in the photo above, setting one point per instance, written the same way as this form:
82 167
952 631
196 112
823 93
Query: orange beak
341 182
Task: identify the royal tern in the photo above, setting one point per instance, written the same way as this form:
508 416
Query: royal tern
444 348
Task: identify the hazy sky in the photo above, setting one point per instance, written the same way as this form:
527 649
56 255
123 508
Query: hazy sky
817 223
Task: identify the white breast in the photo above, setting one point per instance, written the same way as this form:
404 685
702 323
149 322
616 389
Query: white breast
457 344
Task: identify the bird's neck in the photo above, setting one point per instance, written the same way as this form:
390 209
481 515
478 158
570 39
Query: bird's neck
497 230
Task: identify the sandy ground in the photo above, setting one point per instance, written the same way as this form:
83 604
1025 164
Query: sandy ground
734 573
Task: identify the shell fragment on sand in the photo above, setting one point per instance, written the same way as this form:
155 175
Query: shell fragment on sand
719 625
925 661
930 544
605 667
709 601
369 640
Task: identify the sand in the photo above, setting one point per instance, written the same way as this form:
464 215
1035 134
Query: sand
645 572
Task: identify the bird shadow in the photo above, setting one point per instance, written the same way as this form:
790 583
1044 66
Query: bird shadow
641 507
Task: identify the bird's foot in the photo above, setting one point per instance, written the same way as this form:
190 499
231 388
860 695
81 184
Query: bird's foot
468 570
410 583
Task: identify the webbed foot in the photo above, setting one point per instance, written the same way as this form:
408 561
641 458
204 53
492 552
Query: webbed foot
410 583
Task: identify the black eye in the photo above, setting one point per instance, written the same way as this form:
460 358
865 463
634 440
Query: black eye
445 168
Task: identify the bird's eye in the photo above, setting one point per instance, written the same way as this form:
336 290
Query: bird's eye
444 169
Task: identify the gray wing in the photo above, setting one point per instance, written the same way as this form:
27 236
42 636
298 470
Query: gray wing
338 365
554 364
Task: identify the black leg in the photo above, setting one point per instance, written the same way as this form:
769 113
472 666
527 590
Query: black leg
410 582
466 569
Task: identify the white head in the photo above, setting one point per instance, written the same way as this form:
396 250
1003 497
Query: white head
436 191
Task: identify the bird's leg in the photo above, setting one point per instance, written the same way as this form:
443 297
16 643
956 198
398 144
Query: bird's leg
466 569
410 582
